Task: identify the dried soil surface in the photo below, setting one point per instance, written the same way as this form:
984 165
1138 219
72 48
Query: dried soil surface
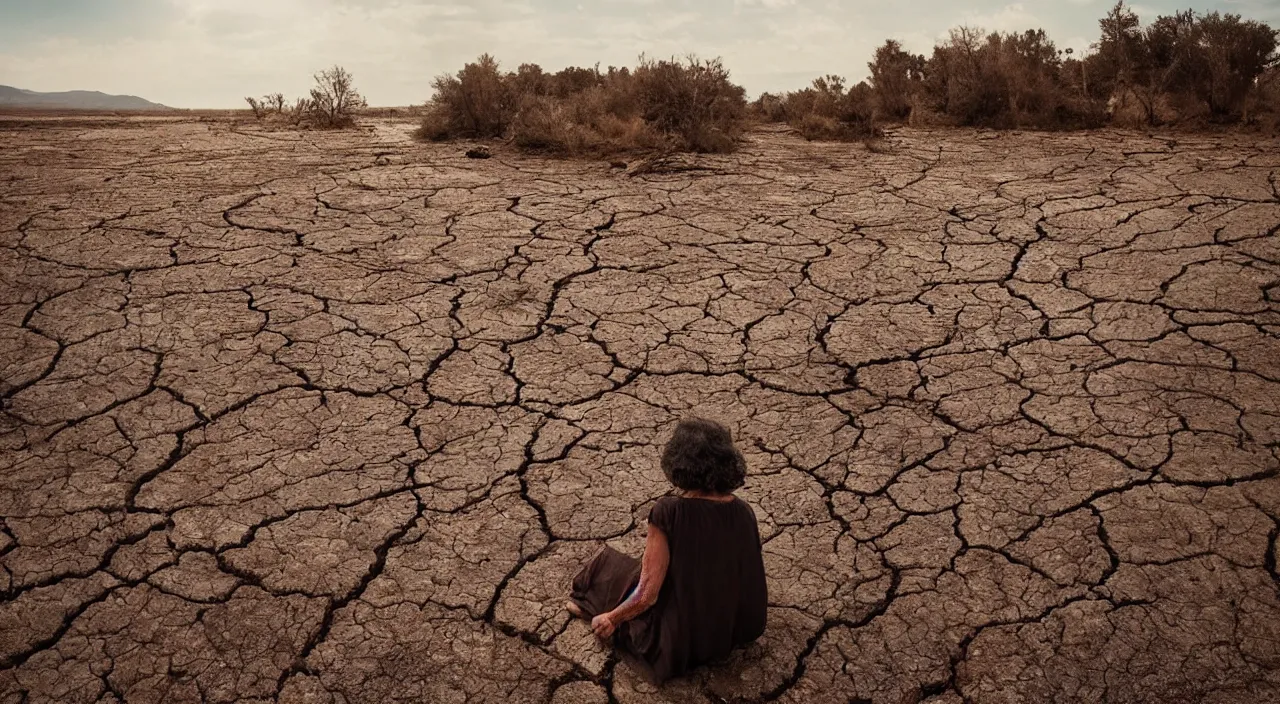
313 417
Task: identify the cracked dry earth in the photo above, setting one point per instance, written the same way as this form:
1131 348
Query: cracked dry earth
335 417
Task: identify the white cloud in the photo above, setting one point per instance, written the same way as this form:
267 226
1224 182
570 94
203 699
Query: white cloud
767 4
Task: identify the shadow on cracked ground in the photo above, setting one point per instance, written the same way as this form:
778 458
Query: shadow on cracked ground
335 417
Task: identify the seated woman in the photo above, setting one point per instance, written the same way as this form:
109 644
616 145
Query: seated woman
699 591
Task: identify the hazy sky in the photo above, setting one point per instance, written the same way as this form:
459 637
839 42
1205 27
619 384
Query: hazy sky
212 53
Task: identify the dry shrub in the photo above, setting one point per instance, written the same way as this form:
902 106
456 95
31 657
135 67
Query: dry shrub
574 79
610 116
544 124
333 103
259 110
257 106
1262 109
768 108
924 113
540 125
585 123
298 113
334 100
691 102
856 111
815 127
475 103
267 105
434 126
1136 109
529 79
827 111
895 77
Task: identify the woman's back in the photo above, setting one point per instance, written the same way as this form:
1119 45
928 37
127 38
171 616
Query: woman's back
714 597
699 590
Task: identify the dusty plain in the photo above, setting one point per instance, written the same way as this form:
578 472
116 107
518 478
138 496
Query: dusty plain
334 417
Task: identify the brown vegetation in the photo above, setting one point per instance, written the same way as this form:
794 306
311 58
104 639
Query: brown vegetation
894 77
1181 69
826 110
1262 109
663 105
334 100
1000 80
1182 66
333 104
1185 69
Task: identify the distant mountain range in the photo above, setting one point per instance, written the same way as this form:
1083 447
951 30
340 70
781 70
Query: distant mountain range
73 100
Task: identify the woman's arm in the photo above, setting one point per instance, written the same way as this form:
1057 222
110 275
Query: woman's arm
653 571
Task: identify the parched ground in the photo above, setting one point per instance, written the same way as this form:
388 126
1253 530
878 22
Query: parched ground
314 417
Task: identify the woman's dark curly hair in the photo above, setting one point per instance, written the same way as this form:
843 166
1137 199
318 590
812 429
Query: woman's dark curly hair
700 456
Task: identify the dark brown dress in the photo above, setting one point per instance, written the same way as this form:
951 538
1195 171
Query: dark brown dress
712 600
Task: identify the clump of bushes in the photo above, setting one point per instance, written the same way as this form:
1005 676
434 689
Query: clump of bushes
1001 81
584 123
826 110
662 105
273 108
1183 68
333 103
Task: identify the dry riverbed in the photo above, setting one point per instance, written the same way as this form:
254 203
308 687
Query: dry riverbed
334 417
